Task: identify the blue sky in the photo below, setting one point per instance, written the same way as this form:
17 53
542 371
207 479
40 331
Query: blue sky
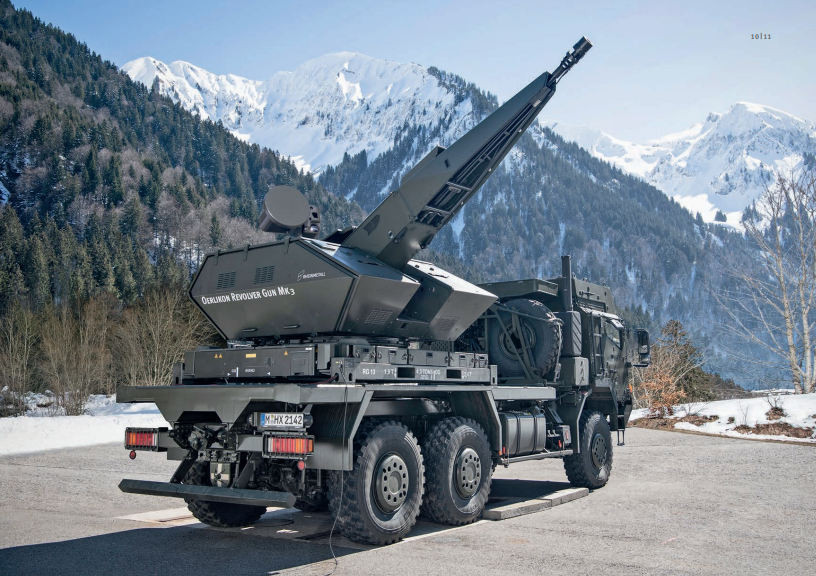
657 67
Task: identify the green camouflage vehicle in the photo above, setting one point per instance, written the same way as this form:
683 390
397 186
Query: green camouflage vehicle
360 379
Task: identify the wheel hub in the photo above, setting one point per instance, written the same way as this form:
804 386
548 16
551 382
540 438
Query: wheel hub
467 472
220 474
598 451
391 483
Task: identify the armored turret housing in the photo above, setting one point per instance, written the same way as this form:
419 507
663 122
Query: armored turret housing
364 281
303 287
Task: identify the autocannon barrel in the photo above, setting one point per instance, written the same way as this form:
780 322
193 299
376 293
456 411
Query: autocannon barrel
571 59
433 192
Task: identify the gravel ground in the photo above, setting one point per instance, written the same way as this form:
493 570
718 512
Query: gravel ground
676 504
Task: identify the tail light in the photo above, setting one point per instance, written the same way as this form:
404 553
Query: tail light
143 439
288 446
566 435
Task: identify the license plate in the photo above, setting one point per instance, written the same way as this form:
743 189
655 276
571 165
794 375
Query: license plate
282 420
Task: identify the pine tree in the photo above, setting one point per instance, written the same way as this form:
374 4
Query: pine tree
168 270
215 231
132 217
11 243
113 179
143 272
101 267
91 173
38 282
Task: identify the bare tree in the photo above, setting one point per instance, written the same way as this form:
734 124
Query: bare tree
155 333
17 340
76 357
775 307
659 387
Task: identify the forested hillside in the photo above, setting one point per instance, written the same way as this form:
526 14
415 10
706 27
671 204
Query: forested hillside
110 194
109 186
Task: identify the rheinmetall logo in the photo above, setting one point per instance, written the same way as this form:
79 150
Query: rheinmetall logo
303 276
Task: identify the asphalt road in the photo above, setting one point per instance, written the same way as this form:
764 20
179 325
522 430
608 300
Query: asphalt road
676 504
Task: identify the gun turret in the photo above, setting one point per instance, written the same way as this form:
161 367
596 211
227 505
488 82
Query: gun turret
433 192
369 286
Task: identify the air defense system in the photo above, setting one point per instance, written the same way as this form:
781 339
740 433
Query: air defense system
359 378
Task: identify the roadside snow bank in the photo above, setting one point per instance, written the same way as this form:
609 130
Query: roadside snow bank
104 423
799 411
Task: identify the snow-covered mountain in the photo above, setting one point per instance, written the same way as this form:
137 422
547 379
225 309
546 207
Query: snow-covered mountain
723 163
332 105
348 102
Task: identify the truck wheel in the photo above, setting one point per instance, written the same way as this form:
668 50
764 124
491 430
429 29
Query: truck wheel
544 335
458 473
592 466
378 501
219 514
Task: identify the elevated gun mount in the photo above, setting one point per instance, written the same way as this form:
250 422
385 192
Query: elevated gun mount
363 281
434 191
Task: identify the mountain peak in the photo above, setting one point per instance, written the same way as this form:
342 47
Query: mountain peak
338 103
753 108
722 163
345 102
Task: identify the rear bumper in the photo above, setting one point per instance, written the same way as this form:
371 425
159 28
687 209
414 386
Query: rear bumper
209 493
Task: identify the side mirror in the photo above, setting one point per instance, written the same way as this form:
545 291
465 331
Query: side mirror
644 350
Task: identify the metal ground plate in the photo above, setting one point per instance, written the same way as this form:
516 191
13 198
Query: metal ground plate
509 498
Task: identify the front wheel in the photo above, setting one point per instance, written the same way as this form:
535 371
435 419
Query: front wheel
378 501
591 467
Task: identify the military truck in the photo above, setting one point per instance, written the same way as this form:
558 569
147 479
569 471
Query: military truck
361 379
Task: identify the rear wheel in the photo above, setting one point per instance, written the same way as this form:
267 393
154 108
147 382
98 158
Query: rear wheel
458 472
542 334
219 514
378 501
592 466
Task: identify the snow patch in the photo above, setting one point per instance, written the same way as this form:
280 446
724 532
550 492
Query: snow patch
351 91
799 411
104 423
458 224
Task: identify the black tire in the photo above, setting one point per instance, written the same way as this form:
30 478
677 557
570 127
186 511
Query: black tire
457 482
545 335
219 514
593 465
361 514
